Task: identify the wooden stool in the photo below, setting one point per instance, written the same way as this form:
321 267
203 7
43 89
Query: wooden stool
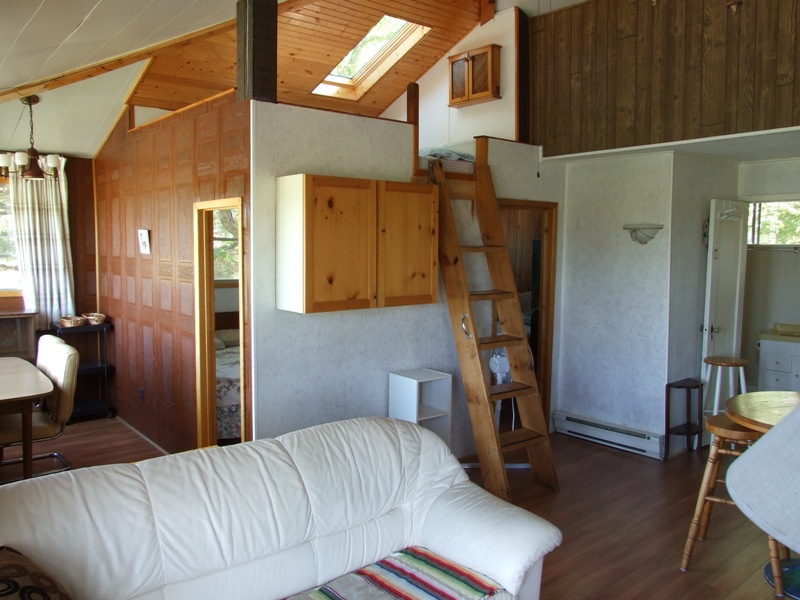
714 366
688 428
726 433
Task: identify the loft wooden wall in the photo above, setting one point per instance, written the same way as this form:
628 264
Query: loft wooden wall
615 73
149 179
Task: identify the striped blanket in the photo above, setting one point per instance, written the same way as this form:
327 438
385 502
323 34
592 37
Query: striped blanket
411 574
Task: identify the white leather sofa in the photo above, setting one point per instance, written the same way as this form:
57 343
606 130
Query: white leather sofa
269 518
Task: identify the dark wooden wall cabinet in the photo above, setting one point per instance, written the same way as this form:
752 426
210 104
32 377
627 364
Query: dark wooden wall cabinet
475 76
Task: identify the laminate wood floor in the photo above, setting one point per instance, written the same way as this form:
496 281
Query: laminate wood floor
624 519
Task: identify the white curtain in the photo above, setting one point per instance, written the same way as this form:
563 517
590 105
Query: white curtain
43 249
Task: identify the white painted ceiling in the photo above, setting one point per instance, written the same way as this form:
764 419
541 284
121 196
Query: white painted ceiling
41 39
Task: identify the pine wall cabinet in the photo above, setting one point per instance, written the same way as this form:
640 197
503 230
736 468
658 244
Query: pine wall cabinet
475 76
345 243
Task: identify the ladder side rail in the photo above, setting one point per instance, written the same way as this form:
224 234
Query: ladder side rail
473 371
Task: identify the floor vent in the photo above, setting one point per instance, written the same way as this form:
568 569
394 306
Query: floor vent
630 440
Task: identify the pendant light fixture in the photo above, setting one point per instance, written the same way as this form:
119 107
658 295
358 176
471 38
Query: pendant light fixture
29 161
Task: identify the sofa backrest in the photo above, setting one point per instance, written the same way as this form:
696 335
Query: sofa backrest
281 515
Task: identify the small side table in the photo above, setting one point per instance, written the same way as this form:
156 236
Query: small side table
688 428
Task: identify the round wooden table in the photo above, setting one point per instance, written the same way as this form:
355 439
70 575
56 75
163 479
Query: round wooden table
761 410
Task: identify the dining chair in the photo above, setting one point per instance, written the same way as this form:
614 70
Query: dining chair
59 361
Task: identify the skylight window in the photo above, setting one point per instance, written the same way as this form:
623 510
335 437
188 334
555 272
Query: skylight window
385 44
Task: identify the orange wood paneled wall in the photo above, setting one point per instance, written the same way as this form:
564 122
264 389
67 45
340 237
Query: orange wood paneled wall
149 178
615 73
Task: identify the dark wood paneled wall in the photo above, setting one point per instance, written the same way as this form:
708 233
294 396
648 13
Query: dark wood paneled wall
150 178
80 184
616 73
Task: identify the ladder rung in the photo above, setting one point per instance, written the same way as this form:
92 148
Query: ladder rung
499 341
483 249
508 390
518 438
491 295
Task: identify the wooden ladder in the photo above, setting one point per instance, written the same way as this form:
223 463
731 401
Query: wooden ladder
507 331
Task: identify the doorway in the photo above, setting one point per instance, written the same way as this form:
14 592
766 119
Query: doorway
530 229
222 398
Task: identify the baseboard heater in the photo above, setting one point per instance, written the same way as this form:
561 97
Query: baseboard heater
631 440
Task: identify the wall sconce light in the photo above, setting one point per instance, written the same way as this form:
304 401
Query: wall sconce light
643 232
733 6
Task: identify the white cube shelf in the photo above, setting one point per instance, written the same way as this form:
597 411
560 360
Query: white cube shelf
422 396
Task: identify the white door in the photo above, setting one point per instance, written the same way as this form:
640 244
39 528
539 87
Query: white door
727 255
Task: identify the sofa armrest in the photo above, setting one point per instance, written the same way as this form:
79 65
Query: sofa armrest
469 525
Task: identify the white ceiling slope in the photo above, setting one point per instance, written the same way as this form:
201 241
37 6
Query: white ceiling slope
41 39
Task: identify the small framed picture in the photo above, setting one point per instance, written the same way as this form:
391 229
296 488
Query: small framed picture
144 241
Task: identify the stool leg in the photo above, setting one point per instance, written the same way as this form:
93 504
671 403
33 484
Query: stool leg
742 382
705 485
717 391
715 465
775 560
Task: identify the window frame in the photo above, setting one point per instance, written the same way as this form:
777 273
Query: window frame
335 86
10 292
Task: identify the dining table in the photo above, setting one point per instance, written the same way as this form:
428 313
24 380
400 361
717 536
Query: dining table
760 411
21 384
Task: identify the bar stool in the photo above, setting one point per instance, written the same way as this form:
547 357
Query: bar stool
714 366
726 434
688 428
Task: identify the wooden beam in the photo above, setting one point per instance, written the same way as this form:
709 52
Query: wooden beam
257 52
93 70
412 117
487 11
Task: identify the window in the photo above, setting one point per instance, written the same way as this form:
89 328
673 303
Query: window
9 267
385 44
774 224
226 245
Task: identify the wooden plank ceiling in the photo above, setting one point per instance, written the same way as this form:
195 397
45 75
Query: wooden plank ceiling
313 37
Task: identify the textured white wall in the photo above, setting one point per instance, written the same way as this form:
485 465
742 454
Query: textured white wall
697 179
615 295
310 369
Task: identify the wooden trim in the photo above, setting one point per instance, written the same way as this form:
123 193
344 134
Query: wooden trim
522 103
84 73
204 319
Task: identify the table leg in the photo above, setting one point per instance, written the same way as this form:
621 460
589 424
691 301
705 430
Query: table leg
27 440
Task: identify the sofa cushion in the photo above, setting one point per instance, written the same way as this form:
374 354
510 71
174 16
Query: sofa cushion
21 578
411 573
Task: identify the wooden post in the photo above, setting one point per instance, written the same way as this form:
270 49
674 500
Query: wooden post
257 50
412 117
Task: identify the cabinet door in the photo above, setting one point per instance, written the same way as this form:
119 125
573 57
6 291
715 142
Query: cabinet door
408 248
459 78
484 72
340 257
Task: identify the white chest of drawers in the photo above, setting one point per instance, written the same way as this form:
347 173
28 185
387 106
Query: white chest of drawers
779 364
